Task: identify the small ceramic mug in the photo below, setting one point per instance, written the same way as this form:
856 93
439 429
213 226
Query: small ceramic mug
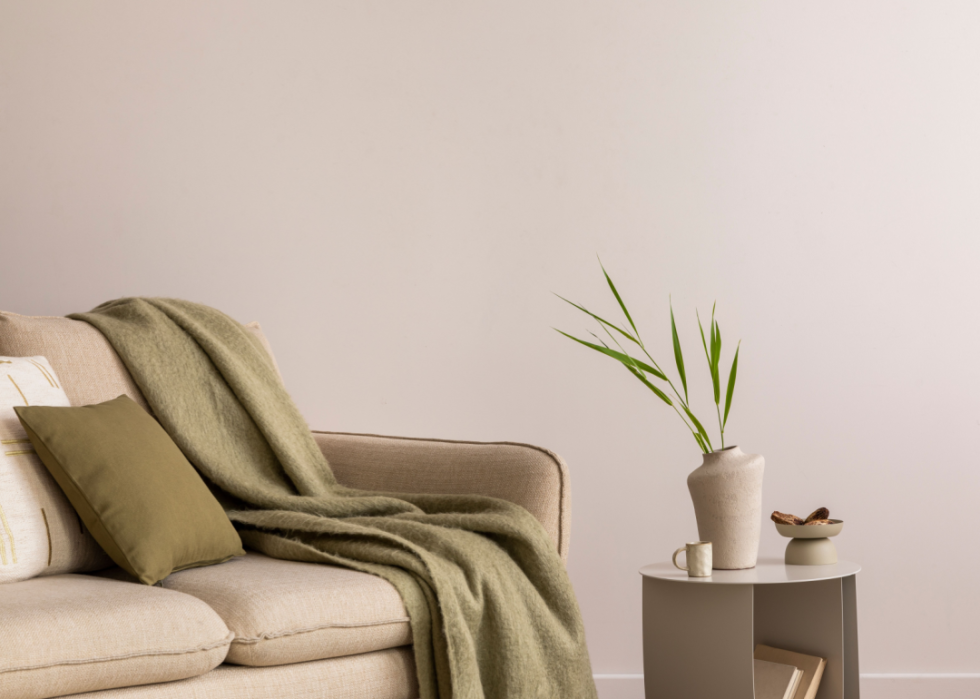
698 559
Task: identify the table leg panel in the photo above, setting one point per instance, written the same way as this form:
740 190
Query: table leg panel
697 640
852 675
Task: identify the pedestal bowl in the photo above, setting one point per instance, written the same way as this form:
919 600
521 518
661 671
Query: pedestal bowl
810 544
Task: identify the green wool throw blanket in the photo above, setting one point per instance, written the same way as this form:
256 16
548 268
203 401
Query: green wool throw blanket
492 610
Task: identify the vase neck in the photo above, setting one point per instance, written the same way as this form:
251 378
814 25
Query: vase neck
722 455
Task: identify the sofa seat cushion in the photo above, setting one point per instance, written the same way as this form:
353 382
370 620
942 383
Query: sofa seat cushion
66 634
384 674
285 612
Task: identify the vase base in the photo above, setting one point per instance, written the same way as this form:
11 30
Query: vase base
810 552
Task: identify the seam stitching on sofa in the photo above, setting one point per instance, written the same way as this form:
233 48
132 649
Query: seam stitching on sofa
21 315
552 455
282 634
88 661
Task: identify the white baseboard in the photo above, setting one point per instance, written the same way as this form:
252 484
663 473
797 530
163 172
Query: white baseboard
619 686
873 686
920 686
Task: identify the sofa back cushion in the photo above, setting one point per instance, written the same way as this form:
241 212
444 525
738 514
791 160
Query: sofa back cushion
40 533
89 368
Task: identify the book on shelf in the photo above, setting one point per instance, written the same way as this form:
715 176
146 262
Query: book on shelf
810 668
776 680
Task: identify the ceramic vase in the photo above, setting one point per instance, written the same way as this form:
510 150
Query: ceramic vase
727 493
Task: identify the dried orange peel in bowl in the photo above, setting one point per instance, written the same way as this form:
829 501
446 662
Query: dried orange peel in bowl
819 516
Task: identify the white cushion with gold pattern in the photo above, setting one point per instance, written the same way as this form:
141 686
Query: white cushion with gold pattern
40 533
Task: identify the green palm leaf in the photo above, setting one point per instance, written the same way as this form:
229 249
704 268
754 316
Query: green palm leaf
618 298
601 320
715 356
618 356
633 366
678 355
660 394
731 384
703 343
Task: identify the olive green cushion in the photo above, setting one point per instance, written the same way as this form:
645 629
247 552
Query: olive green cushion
133 487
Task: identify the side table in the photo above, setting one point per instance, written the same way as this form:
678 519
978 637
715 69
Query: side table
699 634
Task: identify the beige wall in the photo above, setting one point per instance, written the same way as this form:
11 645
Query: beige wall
394 189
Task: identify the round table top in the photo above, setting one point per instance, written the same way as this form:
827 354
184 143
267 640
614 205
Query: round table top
768 571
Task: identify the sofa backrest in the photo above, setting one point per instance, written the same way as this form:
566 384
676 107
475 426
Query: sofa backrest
88 366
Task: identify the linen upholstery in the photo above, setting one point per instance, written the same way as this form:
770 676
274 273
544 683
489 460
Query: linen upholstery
66 634
40 533
386 674
289 612
529 476
86 364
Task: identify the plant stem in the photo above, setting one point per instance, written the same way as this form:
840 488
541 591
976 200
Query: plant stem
721 426
693 431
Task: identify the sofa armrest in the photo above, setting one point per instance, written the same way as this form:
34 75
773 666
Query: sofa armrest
529 476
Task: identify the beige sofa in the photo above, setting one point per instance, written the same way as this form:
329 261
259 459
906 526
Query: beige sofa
253 627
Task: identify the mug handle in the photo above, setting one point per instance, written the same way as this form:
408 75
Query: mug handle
674 559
